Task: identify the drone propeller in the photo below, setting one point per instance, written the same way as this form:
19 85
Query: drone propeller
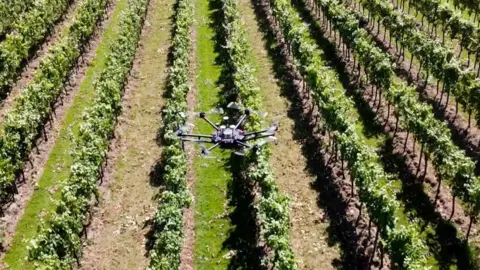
216 110
205 153
240 153
234 106
185 128
262 142
273 128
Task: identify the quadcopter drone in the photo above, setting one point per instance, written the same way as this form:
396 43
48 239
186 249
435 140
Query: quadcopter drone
229 137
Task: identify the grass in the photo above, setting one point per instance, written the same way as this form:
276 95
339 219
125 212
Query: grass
41 203
212 223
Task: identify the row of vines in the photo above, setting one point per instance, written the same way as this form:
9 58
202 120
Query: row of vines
451 22
272 208
435 58
58 244
24 123
168 220
10 12
403 243
25 36
450 161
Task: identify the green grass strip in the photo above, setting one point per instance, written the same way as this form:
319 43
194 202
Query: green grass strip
211 176
59 161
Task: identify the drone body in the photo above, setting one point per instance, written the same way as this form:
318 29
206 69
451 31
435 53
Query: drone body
231 137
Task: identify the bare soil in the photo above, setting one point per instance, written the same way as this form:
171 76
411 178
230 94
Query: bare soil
349 226
45 143
187 254
34 62
118 233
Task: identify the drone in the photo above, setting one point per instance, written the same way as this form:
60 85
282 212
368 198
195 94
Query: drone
231 136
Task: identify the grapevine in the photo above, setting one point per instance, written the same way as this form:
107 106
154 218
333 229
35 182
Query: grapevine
272 207
168 220
26 34
58 243
451 162
437 59
10 12
25 121
439 13
402 242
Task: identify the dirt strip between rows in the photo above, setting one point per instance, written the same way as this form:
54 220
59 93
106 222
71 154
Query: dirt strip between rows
45 143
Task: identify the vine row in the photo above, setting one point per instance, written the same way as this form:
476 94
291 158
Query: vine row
437 59
58 243
26 120
272 207
450 161
438 13
168 220
10 12
402 242
27 34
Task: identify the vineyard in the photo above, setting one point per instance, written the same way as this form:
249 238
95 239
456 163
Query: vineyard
373 105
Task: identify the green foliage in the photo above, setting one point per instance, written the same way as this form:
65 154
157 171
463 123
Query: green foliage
451 162
25 121
435 57
272 207
402 243
58 244
10 12
168 220
440 13
27 33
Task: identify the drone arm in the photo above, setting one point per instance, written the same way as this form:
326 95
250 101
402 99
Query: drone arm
258 137
244 144
193 140
210 122
241 120
255 132
197 136
213 147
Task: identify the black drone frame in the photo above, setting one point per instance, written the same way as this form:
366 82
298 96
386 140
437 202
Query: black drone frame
247 136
